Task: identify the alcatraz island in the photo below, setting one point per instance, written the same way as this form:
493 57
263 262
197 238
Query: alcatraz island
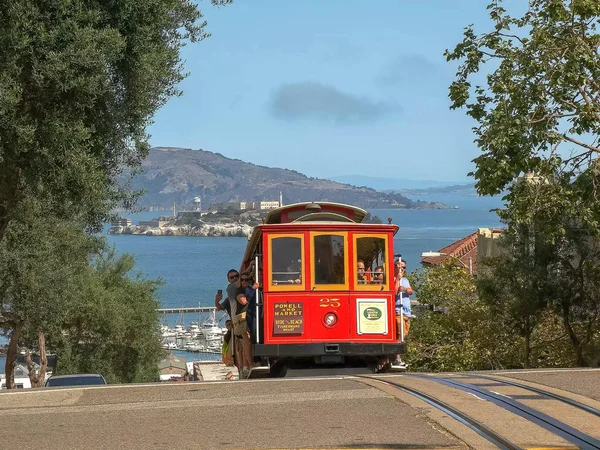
233 219
228 219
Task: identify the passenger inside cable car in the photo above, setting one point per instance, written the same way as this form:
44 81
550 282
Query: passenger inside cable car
378 275
371 257
361 276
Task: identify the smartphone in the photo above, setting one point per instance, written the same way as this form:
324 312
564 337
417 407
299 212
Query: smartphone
220 292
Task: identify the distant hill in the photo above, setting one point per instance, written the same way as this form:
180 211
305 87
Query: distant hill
390 184
461 195
458 189
178 175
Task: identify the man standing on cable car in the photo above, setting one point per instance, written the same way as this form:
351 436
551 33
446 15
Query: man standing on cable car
403 312
232 278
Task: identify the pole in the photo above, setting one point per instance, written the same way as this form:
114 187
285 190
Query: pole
401 319
257 294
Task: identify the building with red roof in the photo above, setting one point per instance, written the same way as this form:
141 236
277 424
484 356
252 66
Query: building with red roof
466 251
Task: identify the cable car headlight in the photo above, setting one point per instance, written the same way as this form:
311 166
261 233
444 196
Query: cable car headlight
330 319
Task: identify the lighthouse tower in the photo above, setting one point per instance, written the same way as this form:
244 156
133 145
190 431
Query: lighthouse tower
197 204
280 199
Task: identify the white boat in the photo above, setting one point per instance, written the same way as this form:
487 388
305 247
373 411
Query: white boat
194 329
197 348
211 330
167 332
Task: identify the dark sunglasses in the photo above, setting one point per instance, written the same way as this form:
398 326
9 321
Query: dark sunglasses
231 277
245 279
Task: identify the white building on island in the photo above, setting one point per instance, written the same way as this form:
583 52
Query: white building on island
261 205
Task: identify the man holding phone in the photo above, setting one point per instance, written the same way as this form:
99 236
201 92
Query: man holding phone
225 303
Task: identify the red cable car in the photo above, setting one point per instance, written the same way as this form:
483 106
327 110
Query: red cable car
315 307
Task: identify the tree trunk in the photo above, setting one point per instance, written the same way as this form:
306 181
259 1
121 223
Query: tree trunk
11 357
37 380
4 220
575 341
527 362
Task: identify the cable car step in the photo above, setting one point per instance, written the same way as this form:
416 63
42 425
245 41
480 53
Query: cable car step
398 367
259 371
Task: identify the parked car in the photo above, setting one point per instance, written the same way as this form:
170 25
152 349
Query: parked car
76 379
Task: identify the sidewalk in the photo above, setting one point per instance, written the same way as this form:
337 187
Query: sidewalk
214 371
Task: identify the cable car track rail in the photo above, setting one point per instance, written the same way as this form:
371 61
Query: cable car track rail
545 421
461 417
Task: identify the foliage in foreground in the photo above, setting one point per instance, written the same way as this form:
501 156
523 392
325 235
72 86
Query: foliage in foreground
62 287
113 328
538 110
80 82
540 101
462 333
468 331
549 264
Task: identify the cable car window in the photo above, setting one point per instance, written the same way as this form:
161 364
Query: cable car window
286 261
329 259
371 257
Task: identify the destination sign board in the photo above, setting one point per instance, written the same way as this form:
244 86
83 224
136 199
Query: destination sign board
288 318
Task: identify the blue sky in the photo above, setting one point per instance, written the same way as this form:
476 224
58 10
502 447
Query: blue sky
328 88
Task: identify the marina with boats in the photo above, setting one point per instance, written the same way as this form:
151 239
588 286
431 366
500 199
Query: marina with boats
204 334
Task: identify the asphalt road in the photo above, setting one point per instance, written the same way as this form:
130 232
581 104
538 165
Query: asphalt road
332 411
288 413
584 382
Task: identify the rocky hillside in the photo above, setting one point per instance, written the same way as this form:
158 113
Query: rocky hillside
178 175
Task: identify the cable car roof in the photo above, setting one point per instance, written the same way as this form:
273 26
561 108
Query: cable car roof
317 211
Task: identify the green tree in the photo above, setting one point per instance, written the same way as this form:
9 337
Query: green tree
515 282
40 258
542 95
79 83
539 110
466 336
113 326
576 289
550 261
50 294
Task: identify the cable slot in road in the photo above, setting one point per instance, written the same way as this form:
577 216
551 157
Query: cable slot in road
561 398
463 418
